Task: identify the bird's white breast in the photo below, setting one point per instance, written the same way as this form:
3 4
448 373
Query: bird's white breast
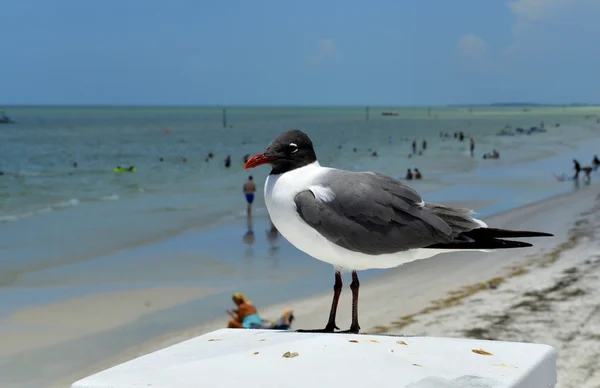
280 191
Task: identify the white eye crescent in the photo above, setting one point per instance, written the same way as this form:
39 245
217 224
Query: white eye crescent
295 147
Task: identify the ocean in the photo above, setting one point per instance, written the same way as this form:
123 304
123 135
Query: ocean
52 213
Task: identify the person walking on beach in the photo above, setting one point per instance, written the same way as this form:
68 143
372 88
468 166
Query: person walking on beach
414 147
586 170
249 190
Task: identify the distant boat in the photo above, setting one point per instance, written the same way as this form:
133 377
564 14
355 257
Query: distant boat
4 119
389 113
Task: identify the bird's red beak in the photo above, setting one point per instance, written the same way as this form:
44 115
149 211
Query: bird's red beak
257 160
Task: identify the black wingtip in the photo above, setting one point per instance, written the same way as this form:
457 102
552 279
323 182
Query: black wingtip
490 238
504 233
482 245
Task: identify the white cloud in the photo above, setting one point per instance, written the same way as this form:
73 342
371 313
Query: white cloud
325 50
535 9
532 18
472 47
528 12
473 52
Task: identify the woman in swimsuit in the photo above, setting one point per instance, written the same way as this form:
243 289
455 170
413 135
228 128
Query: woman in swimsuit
246 316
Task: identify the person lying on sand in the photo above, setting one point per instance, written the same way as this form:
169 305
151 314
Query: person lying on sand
246 316
283 323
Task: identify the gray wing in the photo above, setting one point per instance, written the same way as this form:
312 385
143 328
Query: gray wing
375 214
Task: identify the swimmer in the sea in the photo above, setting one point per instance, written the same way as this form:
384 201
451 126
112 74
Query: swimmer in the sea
249 190
409 174
228 161
418 174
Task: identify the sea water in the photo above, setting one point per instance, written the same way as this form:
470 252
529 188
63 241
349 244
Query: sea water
52 213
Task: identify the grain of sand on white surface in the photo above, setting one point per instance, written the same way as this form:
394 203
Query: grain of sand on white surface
402 297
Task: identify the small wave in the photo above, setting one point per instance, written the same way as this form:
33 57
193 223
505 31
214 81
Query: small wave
169 209
60 205
71 202
29 173
5 219
113 197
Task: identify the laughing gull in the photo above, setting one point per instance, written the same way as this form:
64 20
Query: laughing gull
362 220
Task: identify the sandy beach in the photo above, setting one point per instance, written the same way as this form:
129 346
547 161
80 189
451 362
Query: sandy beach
516 295
53 323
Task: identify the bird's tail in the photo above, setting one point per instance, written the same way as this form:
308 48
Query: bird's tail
489 238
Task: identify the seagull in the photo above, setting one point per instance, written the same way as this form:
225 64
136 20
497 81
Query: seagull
362 220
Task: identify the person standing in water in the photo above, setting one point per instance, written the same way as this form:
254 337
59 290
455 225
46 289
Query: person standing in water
249 190
596 162
586 170
472 147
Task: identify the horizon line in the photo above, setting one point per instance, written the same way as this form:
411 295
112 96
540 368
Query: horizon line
493 104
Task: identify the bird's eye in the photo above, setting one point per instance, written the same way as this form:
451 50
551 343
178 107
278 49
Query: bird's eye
293 148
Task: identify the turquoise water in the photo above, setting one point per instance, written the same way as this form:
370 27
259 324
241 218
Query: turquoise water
52 214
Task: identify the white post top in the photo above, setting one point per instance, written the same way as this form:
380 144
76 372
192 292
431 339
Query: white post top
239 358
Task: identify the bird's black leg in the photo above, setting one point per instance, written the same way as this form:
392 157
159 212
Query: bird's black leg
331 326
354 326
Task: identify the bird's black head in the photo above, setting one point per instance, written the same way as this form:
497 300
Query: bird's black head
289 151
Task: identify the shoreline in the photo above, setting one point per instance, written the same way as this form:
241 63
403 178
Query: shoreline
142 232
416 288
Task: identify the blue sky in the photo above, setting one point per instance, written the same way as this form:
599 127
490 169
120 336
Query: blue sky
306 52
